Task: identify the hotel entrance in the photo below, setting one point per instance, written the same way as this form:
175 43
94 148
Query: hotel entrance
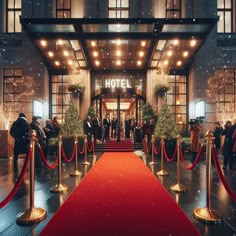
120 99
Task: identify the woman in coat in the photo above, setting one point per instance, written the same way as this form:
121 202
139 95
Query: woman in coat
195 130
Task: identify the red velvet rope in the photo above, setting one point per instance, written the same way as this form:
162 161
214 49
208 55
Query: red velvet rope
154 149
92 146
195 162
83 149
52 167
19 181
221 175
165 154
5 149
145 146
72 155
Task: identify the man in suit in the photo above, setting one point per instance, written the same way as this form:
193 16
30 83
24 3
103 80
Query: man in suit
97 129
106 125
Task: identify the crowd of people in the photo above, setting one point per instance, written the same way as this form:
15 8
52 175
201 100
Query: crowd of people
106 129
224 141
20 132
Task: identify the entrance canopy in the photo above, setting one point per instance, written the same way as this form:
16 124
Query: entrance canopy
117 44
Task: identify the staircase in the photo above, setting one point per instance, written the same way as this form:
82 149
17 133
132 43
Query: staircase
114 146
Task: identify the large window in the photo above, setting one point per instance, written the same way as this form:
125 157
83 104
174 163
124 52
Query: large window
13 13
63 8
13 87
118 8
225 93
60 96
176 99
173 8
226 10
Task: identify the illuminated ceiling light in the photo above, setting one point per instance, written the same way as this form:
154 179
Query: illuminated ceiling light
169 53
176 42
118 53
57 63
193 42
143 43
59 42
50 54
118 25
166 62
95 53
185 53
93 43
118 42
139 63
43 43
65 53
70 62
141 53
97 63
177 103
179 63
118 63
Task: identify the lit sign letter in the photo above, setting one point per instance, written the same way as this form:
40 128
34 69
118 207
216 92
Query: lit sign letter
107 83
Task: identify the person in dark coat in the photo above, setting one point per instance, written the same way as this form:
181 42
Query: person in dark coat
227 151
56 126
41 139
217 135
106 125
195 130
88 128
97 129
127 127
20 131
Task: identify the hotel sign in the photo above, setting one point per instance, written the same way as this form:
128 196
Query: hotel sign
118 83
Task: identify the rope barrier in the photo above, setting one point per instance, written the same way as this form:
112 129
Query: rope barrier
92 146
83 149
221 175
187 167
19 181
155 151
72 155
52 167
5 149
166 156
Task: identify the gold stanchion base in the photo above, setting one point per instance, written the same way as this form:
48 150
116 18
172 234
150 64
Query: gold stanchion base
162 172
76 173
31 216
178 188
85 163
59 188
207 215
152 163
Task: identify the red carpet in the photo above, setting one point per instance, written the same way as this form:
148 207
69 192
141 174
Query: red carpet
120 196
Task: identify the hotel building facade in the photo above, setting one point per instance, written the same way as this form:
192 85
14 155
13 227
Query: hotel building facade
119 50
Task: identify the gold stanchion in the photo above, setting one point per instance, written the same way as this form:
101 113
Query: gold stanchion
162 172
145 151
85 162
32 215
59 187
153 143
94 155
206 214
76 172
178 187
